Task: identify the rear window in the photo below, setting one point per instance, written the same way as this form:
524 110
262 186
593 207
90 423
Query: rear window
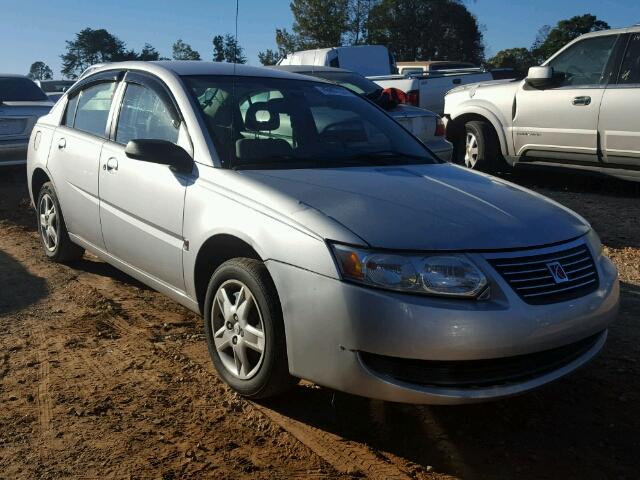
18 89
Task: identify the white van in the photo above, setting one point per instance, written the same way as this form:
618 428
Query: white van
367 60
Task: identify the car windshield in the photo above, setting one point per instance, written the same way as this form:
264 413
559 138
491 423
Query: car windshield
352 81
17 89
262 123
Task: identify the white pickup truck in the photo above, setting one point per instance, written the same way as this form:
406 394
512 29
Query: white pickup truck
422 89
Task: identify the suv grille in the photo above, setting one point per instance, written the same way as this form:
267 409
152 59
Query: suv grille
531 276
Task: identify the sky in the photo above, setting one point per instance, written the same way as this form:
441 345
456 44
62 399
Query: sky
32 30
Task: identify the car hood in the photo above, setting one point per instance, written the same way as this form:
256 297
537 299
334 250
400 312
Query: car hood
427 207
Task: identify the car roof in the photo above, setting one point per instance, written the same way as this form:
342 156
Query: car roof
12 75
309 68
197 67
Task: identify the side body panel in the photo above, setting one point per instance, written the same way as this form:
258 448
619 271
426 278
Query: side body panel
141 210
74 165
619 125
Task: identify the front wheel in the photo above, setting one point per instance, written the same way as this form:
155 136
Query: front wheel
244 329
479 149
53 231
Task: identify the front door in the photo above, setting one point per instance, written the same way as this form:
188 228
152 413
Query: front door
75 156
561 123
141 203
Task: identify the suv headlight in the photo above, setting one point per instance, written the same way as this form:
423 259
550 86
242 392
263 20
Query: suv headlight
451 275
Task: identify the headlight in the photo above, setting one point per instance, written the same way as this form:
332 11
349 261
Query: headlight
594 241
449 275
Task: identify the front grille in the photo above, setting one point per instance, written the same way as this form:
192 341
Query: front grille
477 373
531 278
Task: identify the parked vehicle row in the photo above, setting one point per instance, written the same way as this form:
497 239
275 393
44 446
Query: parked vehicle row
319 239
424 88
54 88
21 103
425 125
579 110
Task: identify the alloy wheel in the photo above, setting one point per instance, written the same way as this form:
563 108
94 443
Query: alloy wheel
471 150
238 329
48 222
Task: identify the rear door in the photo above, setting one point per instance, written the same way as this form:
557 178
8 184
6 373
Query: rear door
561 123
75 157
142 203
619 124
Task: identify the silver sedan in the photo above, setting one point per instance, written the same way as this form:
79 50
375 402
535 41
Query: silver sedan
318 238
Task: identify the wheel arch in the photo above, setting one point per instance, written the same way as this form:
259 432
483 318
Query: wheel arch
38 178
456 126
216 250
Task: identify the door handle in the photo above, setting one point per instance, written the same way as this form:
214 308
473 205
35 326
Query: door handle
111 165
581 100
62 143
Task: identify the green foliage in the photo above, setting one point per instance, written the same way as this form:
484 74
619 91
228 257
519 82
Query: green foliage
268 57
426 30
226 49
183 51
520 59
319 23
40 71
99 46
563 33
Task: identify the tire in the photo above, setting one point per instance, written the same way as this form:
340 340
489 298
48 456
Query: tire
478 148
53 231
232 325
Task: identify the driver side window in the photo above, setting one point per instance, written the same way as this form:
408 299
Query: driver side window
585 62
144 115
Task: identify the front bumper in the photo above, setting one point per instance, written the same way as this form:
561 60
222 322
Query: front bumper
329 324
13 152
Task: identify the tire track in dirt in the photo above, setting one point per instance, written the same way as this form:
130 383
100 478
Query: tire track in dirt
43 397
345 457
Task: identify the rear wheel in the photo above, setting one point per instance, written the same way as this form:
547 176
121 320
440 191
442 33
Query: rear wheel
53 231
245 331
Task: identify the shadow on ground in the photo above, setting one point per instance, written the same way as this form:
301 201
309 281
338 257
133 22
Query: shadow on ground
18 288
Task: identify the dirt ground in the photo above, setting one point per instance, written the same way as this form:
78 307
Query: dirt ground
102 377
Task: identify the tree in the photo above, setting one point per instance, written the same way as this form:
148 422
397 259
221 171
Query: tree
358 14
218 48
426 29
227 49
319 23
99 46
268 57
183 51
563 33
520 59
40 71
91 47
148 53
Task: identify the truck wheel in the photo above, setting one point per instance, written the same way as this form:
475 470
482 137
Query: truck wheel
53 231
479 149
244 329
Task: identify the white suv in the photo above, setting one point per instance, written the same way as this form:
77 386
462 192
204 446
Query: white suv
579 109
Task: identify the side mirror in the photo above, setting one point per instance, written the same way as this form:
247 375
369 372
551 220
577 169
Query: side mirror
539 77
162 152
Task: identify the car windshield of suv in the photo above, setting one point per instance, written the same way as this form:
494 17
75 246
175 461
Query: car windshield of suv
17 89
260 123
